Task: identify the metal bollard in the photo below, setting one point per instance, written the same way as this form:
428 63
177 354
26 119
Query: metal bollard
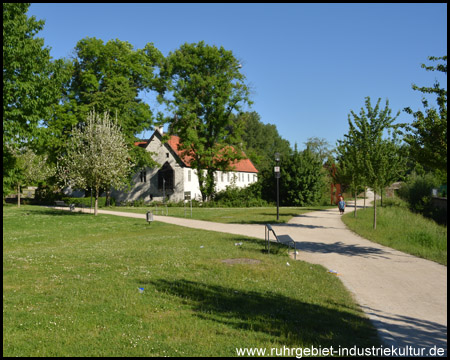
149 217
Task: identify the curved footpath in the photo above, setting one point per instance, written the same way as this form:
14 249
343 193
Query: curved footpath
404 296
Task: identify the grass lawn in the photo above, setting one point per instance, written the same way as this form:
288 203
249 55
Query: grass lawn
254 215
401 229
70 288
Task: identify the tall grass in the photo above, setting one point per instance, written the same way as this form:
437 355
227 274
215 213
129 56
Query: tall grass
70 288
401 229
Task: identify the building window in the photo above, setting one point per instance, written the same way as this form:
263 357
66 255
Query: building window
189 175
228 176
143 176
167 155
221 176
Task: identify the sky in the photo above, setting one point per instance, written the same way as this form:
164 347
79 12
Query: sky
308 65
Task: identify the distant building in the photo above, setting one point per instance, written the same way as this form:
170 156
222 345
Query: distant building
175 178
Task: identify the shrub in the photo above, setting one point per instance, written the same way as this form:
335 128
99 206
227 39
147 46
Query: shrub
47 194
233 196
417 192
86 201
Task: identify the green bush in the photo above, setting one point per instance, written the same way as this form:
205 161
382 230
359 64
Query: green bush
233 196
86 201
47 194
417 192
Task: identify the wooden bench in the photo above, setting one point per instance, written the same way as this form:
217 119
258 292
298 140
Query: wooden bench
282 239
60 203
63 204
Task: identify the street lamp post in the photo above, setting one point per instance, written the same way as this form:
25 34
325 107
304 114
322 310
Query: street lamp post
277 176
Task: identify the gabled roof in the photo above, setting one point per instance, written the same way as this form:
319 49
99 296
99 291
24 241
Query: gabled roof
244 165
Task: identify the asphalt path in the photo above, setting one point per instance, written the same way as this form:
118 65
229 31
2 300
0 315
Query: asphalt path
404 296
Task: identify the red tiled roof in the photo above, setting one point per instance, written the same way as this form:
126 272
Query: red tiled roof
244 165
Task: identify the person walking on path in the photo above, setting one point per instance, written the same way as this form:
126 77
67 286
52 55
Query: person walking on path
341 205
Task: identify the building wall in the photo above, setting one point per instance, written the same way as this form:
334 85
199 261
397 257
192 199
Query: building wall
147 189
223 179
186 179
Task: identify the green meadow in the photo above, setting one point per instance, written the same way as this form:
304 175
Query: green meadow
71 288
401 229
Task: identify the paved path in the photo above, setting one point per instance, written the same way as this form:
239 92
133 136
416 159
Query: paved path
404 296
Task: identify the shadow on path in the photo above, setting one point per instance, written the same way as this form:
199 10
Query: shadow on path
339 247
409 331
304 226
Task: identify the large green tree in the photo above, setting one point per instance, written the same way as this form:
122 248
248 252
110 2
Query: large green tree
111 77
261 141
320 147
31 82
428 133
204 89
302 179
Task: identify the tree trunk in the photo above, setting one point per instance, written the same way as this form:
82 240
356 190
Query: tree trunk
96 202
18 195
355 201
374 209
91 202
381 198
365 190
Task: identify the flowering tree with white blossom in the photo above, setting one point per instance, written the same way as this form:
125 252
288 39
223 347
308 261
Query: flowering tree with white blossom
97 156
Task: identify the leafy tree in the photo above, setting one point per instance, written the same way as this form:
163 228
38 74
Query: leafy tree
320 147
109 77
97 156
204 88
428 136
28 169
366 136
394 168
350 163
261 141
31 82
303 179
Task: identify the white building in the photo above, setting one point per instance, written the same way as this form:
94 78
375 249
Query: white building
175 178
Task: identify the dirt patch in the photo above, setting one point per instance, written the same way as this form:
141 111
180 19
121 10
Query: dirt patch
241 261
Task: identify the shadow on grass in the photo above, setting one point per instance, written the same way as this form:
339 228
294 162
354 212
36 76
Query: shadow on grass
260 245
292 321
54 212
